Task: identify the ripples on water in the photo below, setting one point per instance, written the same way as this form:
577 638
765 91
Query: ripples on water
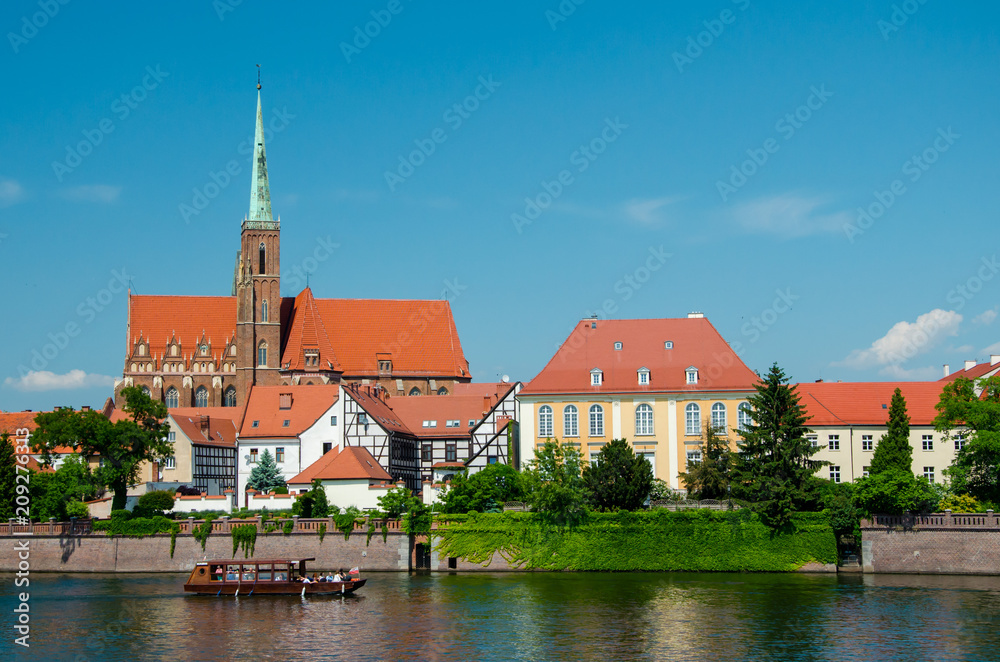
528 616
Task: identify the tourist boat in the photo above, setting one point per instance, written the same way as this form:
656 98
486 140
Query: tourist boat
262 577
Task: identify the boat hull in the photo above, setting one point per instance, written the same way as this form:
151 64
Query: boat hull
275 588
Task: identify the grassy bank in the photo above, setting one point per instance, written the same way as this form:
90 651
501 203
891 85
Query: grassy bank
694 540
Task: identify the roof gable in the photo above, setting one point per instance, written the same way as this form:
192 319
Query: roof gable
264 407
160 319
352 463
308 334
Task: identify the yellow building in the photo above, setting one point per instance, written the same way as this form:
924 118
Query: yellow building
657 383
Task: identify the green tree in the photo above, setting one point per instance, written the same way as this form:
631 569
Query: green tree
554 484
972 412
395 502
619 479
53 491
265 477
893 492
773 468
8 477
485 491
313 503
709 477
153 504
894 450
122 446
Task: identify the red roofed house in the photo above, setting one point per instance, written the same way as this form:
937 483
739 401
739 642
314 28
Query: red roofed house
209 351
204 456
972 370
20 425
847 420
656 383
351 477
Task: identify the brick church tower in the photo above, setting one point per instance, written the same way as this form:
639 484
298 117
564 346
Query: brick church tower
258 281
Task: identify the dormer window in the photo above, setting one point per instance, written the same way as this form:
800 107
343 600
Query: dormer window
668 344
173 350
643 376
142 350
204 350
312 357
596 377
692 375
284 401
618 347
385 366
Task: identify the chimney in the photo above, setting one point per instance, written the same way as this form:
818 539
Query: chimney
284 401
85 408
696 315
204 425
947 370
969 365
994 359
487 404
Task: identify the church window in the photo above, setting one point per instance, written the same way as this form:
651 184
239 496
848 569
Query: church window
145 391
442 391
134 368
230 397
173 398
173 350
201 397
232 351
263 255
414 391
142 350
263 311
262 354
211 367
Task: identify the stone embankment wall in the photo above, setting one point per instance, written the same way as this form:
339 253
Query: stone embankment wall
936 544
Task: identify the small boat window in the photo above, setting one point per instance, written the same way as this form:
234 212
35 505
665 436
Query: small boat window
264 576
217 573
232 573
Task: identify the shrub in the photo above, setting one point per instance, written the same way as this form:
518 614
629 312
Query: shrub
77 509
157 500
961 503
184 490
286 528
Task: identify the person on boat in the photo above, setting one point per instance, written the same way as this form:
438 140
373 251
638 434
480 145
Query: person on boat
306 580
336 576
329 577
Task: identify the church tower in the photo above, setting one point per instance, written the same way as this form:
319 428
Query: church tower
258 282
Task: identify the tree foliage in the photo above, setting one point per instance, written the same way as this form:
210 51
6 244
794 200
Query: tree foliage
122 446
395 502
894 450
313 503
52 492
265 477
8 473
619 479
975 417
554 484
773 468
894 492
484 491
709 478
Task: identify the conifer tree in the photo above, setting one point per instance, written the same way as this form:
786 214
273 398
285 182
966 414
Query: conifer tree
620 479
773 468
709 477
893 450
265 476
8 471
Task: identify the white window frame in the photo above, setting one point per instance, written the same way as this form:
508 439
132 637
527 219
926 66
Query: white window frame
545 421
867 442
929 474
927 442
692 420
835 473
170 462
691 375
743 418
644 423
596 414
571 421
833 442
596 377
717 409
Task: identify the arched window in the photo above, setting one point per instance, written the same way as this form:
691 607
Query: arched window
719 417
173 350
596 421
692 419
145 391
263 258
744 419
229 399
414 391
262 354
204 350
263 311
571 421
142 350
643 419
201 397
545 421
173 398
442 391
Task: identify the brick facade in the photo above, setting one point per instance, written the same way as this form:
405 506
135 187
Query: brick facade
934 544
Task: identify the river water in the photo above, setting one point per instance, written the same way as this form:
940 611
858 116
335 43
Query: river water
526 616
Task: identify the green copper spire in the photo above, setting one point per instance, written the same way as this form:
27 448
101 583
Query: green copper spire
260 192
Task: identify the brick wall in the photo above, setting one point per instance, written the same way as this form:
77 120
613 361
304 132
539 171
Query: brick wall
937 544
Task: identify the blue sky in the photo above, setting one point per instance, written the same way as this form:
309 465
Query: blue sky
728 144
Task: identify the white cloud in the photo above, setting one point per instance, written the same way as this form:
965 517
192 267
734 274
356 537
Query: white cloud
96 193
646 211
986 317
789 216
44 380
992 349
11 192
906 340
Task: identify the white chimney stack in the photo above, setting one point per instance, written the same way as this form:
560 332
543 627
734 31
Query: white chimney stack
969 365
994 359
696 315
947 370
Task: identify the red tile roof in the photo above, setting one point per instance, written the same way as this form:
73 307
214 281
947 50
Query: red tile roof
353 463
861 403
377 408
159 318
308 404
973 373
308 333
221 431
482 389
413 411
592 345
11 422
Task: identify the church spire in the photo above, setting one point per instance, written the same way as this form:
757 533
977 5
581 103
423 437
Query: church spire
260 192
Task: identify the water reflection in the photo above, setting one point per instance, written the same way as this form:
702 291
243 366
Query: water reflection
578 616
